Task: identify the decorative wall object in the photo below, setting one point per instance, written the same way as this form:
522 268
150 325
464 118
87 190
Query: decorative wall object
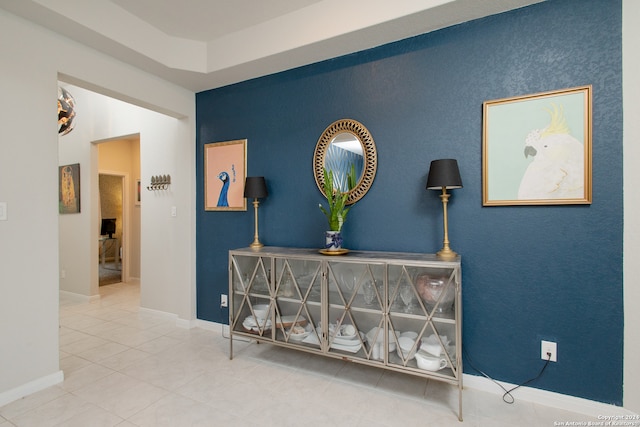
66 111
225 166
69 188
336 134
537 149
159 182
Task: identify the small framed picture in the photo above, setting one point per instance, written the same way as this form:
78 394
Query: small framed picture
69 189
225 170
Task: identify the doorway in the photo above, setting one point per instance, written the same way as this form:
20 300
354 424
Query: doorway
111 220
118 172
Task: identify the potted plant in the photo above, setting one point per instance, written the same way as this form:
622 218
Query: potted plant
337 211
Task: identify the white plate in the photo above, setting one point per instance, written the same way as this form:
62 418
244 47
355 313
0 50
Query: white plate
298 337
352 341
250 324
288 321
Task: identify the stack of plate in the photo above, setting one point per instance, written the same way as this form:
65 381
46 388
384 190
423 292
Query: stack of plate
345 338
253 325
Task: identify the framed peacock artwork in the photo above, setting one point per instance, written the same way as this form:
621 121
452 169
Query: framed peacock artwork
225 171
536 149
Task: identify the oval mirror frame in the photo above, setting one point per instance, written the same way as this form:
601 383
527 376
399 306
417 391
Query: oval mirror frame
370 160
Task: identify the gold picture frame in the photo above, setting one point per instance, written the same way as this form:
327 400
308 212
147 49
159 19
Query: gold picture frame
536 149
225 171
69 189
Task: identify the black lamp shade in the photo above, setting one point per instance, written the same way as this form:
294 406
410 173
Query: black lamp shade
444 173
255 187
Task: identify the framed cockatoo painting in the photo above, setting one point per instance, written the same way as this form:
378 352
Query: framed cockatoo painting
225 166
537 149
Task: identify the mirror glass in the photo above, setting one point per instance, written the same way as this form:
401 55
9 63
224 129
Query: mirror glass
345 143
344 151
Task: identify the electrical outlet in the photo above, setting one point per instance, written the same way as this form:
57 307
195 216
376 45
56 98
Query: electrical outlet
549 347
223 300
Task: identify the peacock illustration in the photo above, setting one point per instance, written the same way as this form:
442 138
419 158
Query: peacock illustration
222 200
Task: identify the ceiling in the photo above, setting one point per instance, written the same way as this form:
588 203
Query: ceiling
204 44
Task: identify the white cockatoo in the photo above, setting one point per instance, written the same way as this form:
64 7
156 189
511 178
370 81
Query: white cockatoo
557 168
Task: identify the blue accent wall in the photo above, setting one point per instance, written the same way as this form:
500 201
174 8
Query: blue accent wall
529 272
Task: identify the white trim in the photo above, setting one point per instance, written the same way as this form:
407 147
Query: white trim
212 326
31 387
79 297
546 398
185 323
158 313
180 323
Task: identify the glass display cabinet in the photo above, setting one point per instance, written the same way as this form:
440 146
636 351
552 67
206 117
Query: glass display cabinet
396 311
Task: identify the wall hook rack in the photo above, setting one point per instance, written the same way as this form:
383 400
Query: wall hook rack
159 182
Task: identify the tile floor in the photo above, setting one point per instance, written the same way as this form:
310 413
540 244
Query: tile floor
127 367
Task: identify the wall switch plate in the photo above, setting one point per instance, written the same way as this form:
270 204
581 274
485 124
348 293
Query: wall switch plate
3 211
549 347
174 211
223 300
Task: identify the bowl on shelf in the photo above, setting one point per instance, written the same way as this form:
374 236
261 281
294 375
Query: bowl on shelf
347 331
434 288
429 362
253 325
405 348
409 334
261 310
297 333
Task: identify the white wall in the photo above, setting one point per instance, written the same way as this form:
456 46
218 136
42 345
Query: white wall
29 262
100 118
631 90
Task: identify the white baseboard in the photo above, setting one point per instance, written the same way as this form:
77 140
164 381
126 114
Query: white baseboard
546 398
185 323
180 323
31 387
212 326
79 297
220 328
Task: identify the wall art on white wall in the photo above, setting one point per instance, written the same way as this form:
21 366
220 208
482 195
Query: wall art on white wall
69 189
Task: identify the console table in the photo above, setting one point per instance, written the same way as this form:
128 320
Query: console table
395 311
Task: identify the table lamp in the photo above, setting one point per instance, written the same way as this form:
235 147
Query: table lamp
255 187
444 174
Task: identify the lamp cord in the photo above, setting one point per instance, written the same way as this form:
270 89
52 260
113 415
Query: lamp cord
507 397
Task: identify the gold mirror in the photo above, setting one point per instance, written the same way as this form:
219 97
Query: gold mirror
343 144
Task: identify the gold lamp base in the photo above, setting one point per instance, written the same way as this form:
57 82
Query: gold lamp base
445 252
256 242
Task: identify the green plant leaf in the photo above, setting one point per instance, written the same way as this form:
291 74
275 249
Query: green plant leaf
336 213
